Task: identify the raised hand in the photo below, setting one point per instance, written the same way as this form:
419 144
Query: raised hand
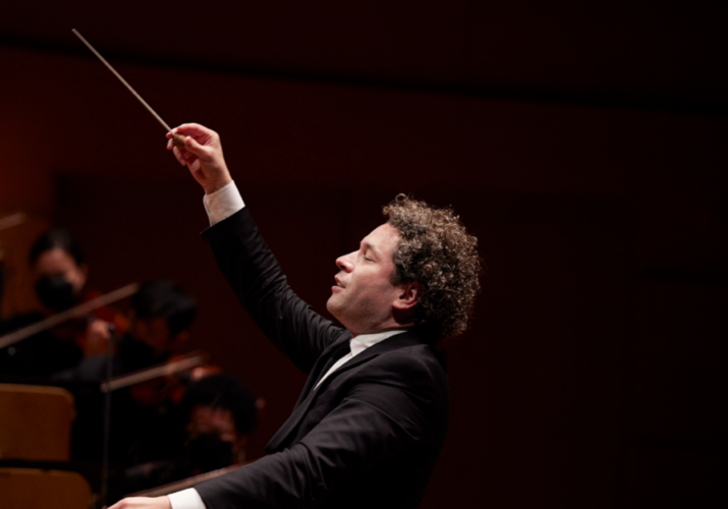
202 154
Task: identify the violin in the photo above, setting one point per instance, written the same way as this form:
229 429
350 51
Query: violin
81 311
164 382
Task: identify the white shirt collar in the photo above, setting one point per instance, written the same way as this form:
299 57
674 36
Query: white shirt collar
357 345
364 341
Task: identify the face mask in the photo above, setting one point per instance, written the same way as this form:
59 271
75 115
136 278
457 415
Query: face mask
55 293
209 452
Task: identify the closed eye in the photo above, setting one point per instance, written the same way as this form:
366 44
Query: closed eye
364 249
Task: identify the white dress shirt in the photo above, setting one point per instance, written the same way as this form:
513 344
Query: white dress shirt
220 205
223 203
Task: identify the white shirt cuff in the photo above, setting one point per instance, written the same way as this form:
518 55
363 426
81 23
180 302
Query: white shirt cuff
186 499
223 203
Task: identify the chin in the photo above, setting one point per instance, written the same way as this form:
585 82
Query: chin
331 306
335 310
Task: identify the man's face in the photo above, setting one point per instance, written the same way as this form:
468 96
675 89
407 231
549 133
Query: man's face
363 296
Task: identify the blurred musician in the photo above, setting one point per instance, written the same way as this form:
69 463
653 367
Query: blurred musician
60 272
218 414
159 323
143 415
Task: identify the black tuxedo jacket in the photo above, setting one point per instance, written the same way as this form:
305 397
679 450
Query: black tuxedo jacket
368 436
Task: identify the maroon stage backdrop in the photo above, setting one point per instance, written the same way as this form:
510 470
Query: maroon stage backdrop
590 375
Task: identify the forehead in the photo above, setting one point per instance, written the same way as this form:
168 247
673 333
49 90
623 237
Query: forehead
54 260
384 238
218 418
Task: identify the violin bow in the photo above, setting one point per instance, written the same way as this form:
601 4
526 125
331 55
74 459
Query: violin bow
189 361
12 220
75 312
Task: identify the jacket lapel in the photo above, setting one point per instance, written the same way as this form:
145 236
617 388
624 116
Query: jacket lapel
322 365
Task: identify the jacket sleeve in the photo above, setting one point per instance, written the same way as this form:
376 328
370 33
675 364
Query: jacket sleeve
378 418
254 275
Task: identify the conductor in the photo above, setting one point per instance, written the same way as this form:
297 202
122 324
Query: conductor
373 414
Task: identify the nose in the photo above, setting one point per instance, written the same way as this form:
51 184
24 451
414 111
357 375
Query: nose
344 263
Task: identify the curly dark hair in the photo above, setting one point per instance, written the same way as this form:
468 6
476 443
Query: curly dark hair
435 251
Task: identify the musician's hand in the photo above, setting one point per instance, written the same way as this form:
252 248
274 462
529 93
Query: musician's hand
202 154
96 339
143 503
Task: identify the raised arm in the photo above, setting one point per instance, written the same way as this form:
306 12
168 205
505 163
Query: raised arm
246 261
254 275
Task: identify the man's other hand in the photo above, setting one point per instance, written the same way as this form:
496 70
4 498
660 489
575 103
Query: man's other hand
202 154
143 503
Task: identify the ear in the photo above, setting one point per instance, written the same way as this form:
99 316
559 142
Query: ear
409 296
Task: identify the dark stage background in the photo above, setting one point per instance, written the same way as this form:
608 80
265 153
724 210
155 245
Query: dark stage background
583 145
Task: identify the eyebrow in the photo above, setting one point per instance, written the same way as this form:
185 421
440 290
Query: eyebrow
370 247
